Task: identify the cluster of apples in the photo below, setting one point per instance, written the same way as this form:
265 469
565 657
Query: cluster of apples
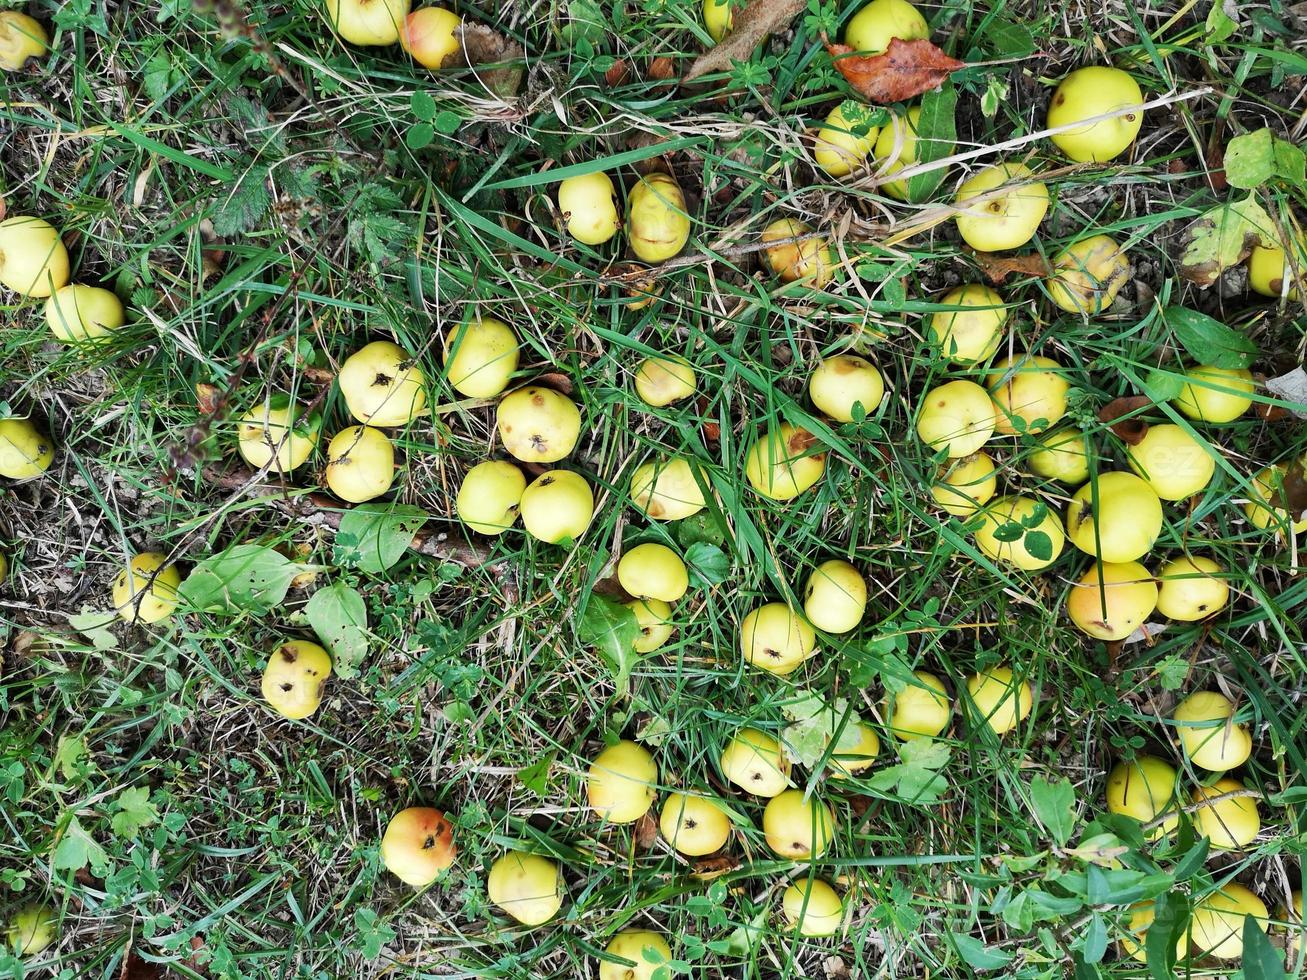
429 35
1224 812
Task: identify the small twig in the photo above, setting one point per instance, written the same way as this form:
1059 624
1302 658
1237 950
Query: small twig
1234 794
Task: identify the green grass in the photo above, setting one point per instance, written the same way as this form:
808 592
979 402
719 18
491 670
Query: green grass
351 197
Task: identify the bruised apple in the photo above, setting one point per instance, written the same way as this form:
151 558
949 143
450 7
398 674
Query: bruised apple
418 845
294 677
781 464
429 36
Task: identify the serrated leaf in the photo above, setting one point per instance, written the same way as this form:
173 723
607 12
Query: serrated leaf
339 616
381 533
612 630
133 812
246 577
1209 341
244 205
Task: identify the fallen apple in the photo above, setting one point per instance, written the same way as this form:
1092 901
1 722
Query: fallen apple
382 383
1062 455
146 590
998 700
754 762
368 22
1230 823
956 417
664 379
1115 518
666 490
846 761
481 357
25 451
621 783
1112 600
965 485
1192 588
797 826
538 425
921 710
588 203
360 464
647 952
1263 507
896 149
79 314
656 221
845 139
972 332
776 639
1174 463
429 35
556 506
294 677
1143 788
490 496
812 908
1095 91
527 887
873 27
808 260
653 571
1088 274
1029 394
845 385
781 464
654 617
33 260
21 38
1023 531
277 434
1216 925
418 845
1013 205
31 930
1215 394
835 597
694 825
1211 738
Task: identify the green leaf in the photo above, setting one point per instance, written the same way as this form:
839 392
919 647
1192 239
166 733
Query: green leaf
419 135
243 206
422 105
978 955
1208 341
77 849
1219 25
535 777
936 137
1094 945
1261 960
707 564
134 812
95 627
246 577
1222 238
612 630
1009 39
1162 386
1170 919
339 616
812 726
1039 544
1055 807
381 533
925 753
699 527
72 758
447 122
1256 158
373 933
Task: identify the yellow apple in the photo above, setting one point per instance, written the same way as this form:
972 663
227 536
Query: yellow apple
25 451
1029 394
1271 269
664 379
382 383
1175 464
277 434
146 591
920 710
1089 92
1121 523
1214 394
845 139
1062 455
360 464
781 464
654 618
896 149
648 951
965 485
694 825
621 783
1292 914
1140 919
33 260
998 699
851 760
33 927
753 761
294 677
588 203
1212 740
797 828
1262 508
1088 274
418 845
368 23
835 597
812 908
1191 588
80 314
527 887
538 425
666 490
879 22
557 505
1216 925
21 37
971 332
718 17
1006 219
656 221
776 639
429 36
1112 600
1143 788
809 260
490 496
653 571
957 417
1230 824
481 357
840 383
1025 511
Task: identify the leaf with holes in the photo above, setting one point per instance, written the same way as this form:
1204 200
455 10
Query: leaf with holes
245 578
1221 239
339 616
381 533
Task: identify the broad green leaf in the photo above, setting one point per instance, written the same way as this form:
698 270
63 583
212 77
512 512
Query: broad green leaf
813 722
1094 945
535 777
1219 25
95 627
978 955
1170 919
133 812
1054 804
339 616
1222 238
1261 960
611 629
1254 159
246 577
77 849
1209 341
707 564
936 137
380 533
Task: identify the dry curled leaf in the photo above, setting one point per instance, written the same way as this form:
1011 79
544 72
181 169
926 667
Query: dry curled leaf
902 72
617 73
1292 493
662 69
1292 388
646 832
554 379
1131 431
716 866
208 398
997 268
479 45
750 27
1221 239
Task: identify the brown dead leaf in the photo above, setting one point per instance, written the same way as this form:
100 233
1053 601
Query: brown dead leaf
208 398
556 380
646 832
715 866
1292 494
617 73
1131 431
759 20
479 45
3 207
662 69
135 968
902 72
997 268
